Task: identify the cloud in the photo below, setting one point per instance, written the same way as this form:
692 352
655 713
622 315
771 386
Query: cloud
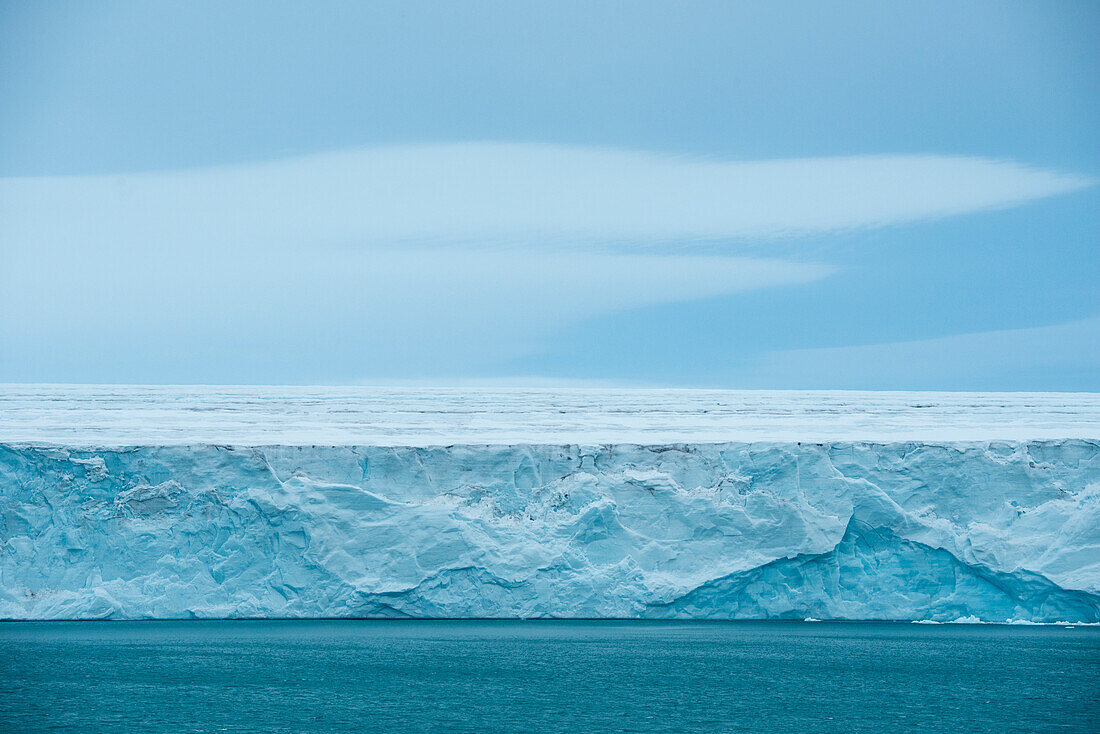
417 260
333 314
506 194
1059 354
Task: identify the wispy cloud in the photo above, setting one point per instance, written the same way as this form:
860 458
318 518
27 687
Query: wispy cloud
320 267
510 194
1058 354
340 313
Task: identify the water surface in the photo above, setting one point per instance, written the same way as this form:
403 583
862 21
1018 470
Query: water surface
475 676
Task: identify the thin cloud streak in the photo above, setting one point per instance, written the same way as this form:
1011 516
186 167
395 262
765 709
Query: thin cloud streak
506 194
343 314
1060 353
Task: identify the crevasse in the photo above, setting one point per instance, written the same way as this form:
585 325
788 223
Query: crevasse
1000 531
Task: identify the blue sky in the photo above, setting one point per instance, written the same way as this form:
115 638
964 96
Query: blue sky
779 195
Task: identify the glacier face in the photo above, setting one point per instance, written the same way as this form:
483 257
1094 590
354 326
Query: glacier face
854 530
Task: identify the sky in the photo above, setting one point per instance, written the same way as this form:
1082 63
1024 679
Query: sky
745 195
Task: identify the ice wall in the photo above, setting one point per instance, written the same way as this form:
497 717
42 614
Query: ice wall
938 531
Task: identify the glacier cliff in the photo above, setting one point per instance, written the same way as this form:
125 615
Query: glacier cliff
998 530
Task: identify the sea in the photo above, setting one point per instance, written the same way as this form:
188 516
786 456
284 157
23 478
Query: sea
546 676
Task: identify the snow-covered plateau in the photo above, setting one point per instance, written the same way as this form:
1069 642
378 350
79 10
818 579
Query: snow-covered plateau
859 520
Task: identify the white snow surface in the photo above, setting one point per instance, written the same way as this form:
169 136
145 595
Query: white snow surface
248 415
196 502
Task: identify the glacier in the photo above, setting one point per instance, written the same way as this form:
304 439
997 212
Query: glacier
937 530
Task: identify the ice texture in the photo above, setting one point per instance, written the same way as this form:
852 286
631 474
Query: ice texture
122 415
906 530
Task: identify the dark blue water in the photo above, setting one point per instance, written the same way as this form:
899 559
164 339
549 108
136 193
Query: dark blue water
545 676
